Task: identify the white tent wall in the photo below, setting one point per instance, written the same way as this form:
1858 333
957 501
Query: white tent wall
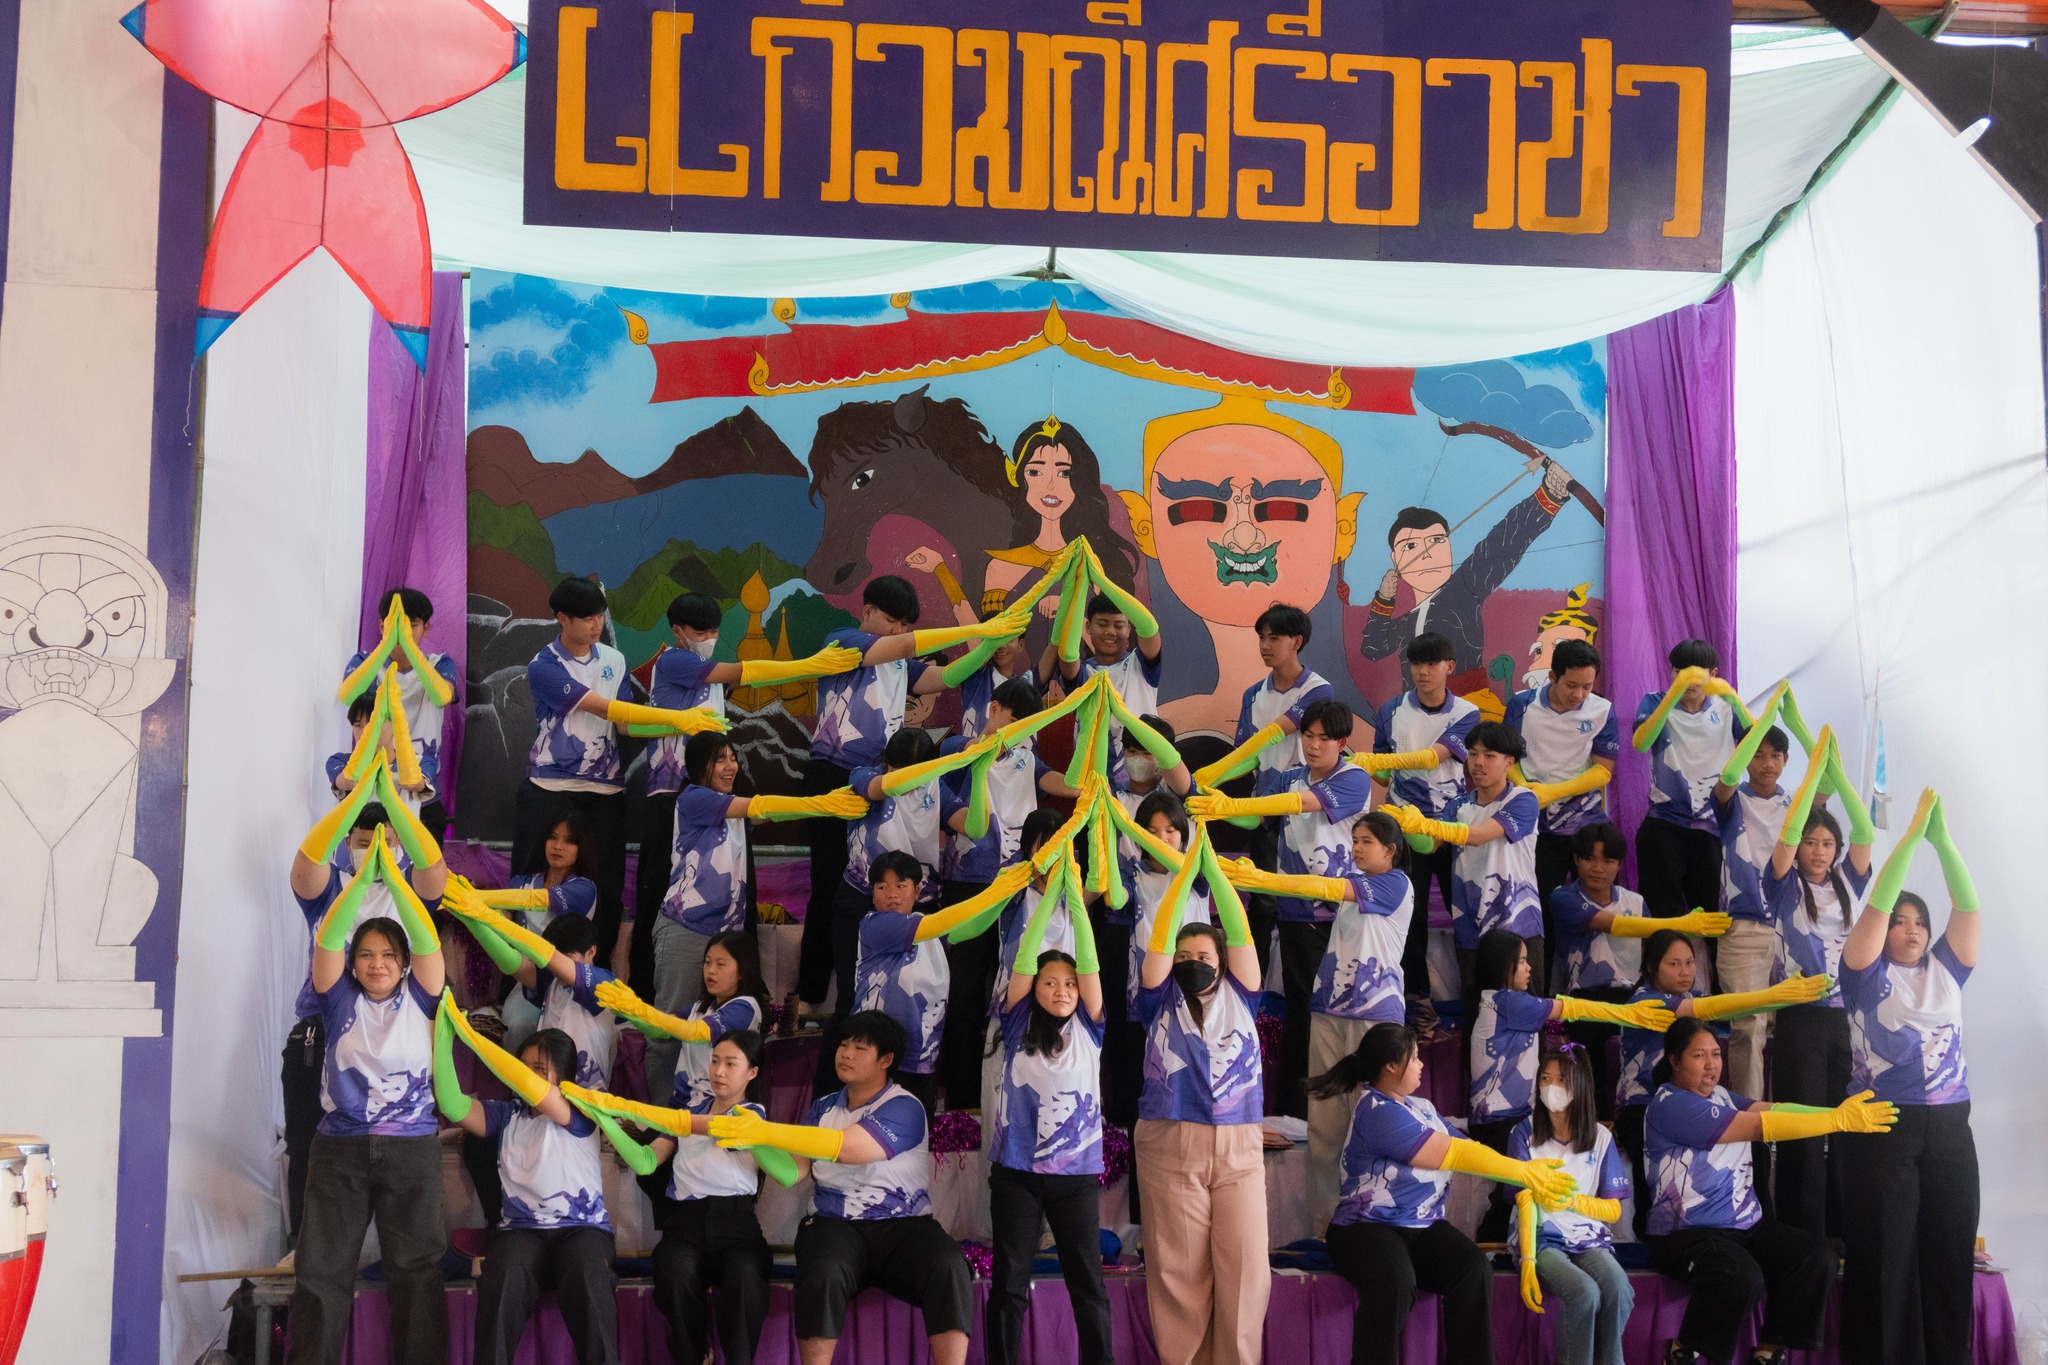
274 605
1894 558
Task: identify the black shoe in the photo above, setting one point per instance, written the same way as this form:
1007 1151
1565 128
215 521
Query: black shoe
1678 1353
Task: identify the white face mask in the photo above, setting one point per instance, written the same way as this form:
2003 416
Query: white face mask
704 649
1141 767
1556 1098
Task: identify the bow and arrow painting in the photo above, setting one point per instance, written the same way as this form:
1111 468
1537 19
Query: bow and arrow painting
777 454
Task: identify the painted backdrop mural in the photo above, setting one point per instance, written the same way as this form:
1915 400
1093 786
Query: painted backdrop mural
776 454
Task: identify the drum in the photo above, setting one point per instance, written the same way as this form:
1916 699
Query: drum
38 1185
13 1248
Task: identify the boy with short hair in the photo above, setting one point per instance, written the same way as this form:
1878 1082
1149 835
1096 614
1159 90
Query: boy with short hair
859 711
1572 738
422 711
359 712
903 976
1688 731
1418 760
1131 660
1750 815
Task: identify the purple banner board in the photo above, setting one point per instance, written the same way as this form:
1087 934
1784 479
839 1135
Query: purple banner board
1565 132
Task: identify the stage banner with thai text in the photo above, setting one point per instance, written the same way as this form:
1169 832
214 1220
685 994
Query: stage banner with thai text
1569 133
777 454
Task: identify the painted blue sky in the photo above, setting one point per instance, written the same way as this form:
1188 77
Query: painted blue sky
553 361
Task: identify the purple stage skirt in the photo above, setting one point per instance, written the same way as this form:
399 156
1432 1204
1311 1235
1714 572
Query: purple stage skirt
1308 1323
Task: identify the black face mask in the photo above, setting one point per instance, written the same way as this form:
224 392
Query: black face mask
1194 976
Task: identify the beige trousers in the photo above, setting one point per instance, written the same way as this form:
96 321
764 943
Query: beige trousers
1330 1039
1206 1277
1744 957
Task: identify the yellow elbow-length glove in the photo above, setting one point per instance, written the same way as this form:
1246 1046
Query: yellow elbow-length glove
976 912
1211 806
1013 621
675 1122
1414 760
1240 759
1599 1210
826 662
517 1075
1246 875
1793 990
1684 680
1414 823
1644 1014
843 804
1545 1179
1705 923
748 1129
648 721
465 902
1591 780
1526 1222
617 997
1860 1113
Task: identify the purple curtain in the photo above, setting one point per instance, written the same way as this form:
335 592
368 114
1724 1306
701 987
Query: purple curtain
1670 508
415 515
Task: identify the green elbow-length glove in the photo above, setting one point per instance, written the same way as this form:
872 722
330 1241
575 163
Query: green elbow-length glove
1962 889
1891 878
1653 725
1802 797
1241 759
520 1078
1738 762
448 1093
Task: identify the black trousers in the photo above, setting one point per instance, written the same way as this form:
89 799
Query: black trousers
1729 1272
304 1058
922 1086
909 1258
1493 1224
713 1244
480 1164
574 1262
1810 1065
657 840
1910 1230
1628 1134
849 908
351 1181
828 872
1677 870
434 816
1302 945
1387 1264
974 972
1123 1038
1261 911
1554 867
1593 1038
1424 870
539 810
1019 1202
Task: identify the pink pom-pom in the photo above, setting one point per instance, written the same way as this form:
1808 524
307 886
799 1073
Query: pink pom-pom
956 1130
980 1259
1116 1155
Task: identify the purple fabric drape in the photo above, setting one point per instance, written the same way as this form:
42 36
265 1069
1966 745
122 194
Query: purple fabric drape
415 510
1670 509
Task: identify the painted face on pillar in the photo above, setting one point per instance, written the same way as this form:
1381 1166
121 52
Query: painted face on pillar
1243 517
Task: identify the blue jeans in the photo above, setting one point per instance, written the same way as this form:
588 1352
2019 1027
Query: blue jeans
1589 1297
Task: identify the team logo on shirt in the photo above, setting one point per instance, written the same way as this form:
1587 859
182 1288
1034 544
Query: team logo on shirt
606 675
1585 727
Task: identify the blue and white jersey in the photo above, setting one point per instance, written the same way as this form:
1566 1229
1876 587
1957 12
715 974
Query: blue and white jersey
1562 745
1698 1180
682 681
1810 941
376 903
907 981
422 712
1377 1183
1687 759
1048 1115
1906 1028
1360 975
378 1080
707 865
899 1186
1262 705
1059 937
693 1061
574 896
1148 892
1317 843
1493 885
977 692
1201 1073
1587 958
1750 825
1404 725
574 750
553 1176
705 1170
1641 1050
860 709
1012 796
1506 1035
909 823
575 1011
1136 680
1601 1173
